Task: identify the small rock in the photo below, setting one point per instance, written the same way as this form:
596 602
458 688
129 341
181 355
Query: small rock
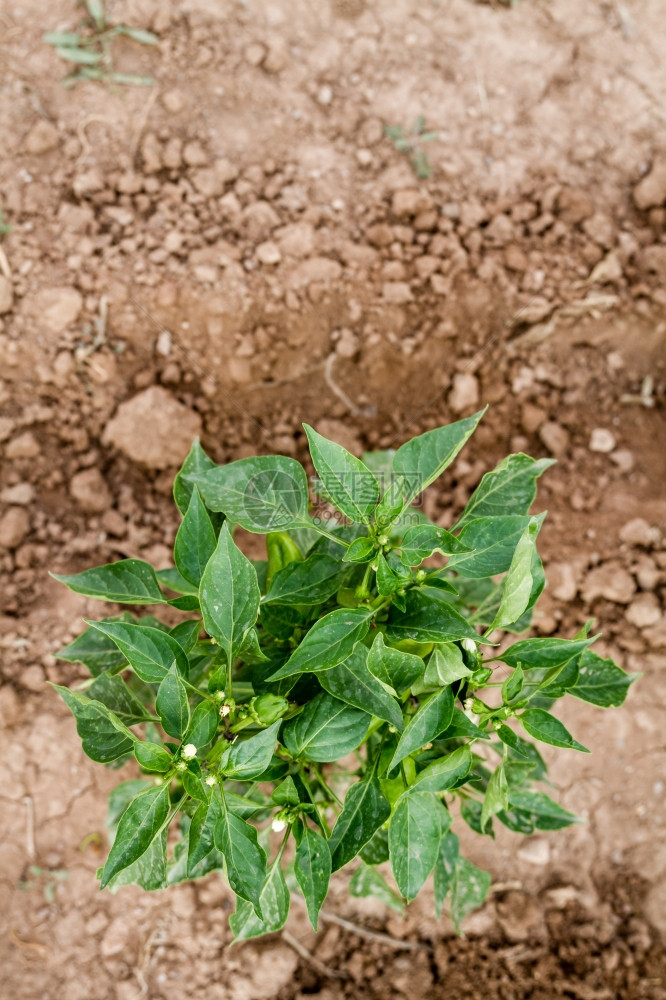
655 906
163 343
646 572
277 56
651 191
562 582
41 138
173 101
14 526
6 295
602 440
33 678
397 293
347 345
88 183
90 491
114 523
195 155
600 229
639 532
610 581
465 392
296 239
624 459
266 972
555 438
319 269
644 611
6 428
21 494
10 706
324 96
656 634
23 446
153 428
56 308
151 154
380 235
409 202
259 220
574 206
535 850
254 53
532 417
561 896
269 253
515 259
337 430
520 917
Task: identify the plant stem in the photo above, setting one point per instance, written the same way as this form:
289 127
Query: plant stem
329 791
325 533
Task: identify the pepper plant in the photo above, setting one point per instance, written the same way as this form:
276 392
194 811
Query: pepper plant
340 701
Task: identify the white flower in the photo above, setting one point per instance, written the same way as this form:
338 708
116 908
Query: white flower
211 780
469 702
224 711
278 825
189 751
469 645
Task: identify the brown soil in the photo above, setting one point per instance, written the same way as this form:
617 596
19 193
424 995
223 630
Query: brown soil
242 236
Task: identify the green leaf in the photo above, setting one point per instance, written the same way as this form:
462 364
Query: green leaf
137 34
546 728
428 619
195 541
446 665
376 851
186 633
78 55
496 798
367 881
361 550
513 685
347 481
601 682
518 584
306 583
492 542
68 39
469 889
129 581
312 868
153 757
273 909
417 463
509 489
202 831
540 810
286 793
446 772
445 866
461 727
148 871
354 684
171 579
431 719
229 595
325 730
393 666
114 693
391 504
247 759
96 11
103 736
203 725
96 651
150 652
245 858
132 79
365 810
422 540
510 739
330 641
196 463
172 705
414 836
544 653
267 493
138 827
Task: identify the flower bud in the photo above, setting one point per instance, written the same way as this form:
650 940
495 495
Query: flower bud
189 751
224 711
468 645
278 825
268 708
211 780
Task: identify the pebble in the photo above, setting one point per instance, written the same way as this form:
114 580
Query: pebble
194 154
610 581
23 446
346 346
6 428
562 582
56 308
397 292
535 850
269 253
624 459
465 392
21 494
639 532
260 219
644 611
10 706
41 138
254 53
90 491
602 440
532 417
33 678
153 428
297 239
650 192
324 96
14 526
163 343
409 202
555 438
6 295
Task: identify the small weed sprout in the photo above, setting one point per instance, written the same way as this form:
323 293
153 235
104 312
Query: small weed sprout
90 48
410 142
343 695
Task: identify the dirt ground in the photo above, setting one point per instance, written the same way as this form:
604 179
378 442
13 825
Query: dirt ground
238 249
